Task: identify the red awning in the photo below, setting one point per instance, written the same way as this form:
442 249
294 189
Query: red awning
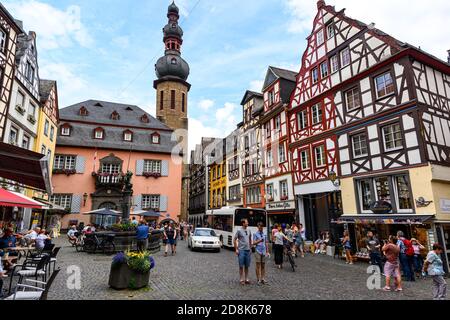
25 167
10 199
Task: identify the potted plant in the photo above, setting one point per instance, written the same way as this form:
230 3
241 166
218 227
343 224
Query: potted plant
155 175
131 270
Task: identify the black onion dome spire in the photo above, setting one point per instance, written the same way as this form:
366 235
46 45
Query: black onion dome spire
172 64
173 8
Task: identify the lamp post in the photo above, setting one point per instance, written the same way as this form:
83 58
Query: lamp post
334 179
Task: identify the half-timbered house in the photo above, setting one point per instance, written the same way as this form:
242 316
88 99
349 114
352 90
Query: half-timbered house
251 151
371 113
234 175
9 32
280 202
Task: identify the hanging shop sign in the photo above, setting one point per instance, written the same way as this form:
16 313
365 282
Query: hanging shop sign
381 207
284 205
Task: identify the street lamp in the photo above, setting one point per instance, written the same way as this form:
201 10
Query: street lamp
334 179
85 197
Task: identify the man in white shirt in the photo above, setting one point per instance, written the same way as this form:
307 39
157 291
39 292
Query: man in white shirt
31 236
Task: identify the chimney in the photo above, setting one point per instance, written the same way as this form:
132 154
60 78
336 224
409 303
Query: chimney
320 4
448 58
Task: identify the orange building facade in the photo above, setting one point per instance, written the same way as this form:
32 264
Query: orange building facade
98 143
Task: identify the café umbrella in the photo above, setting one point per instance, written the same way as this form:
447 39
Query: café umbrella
104 212
146 214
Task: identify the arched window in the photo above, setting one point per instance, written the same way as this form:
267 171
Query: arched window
99 134
145 119
83 112
155 138
115 116
128 136
66 130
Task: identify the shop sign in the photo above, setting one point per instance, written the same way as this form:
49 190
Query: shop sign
445 205
381 207
281 205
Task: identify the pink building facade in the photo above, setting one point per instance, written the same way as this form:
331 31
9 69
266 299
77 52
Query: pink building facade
98 142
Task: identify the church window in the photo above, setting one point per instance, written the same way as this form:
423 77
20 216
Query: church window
161 101
172 99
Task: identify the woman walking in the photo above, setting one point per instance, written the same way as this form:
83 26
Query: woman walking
392 266
435 268
347 247
278 247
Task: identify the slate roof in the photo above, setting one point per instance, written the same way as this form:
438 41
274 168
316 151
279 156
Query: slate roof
45 87
100 112
285 74
100 116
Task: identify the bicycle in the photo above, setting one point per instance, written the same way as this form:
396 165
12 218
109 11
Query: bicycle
288 254
92 243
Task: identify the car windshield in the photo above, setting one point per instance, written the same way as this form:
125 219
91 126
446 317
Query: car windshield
205 233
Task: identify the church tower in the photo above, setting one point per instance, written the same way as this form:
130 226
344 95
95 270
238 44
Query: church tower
172 91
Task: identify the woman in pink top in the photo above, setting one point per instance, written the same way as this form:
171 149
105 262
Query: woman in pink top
392 266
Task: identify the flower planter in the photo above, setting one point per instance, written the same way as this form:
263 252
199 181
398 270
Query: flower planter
122 277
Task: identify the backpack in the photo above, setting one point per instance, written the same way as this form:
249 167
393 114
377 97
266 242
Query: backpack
409 248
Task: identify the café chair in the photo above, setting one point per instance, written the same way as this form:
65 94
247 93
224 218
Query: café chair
31 269
34 292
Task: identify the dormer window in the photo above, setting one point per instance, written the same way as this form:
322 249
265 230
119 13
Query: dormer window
99 134
127 136
98 104
66 130
115 116
145 119
83 112
156 138
129 109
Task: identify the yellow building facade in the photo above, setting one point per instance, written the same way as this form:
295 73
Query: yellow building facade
218 185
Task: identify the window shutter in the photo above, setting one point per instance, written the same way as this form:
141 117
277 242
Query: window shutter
80 164
163 203
137 201
165 168
139 167
76 204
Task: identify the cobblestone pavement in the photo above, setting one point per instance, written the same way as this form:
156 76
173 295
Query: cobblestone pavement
213 276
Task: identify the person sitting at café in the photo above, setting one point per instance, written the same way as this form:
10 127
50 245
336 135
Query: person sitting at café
322 243
72 233
6 242
41 240
30 236
88 231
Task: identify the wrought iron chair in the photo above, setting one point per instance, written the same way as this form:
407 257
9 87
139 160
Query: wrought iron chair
30 269
34 293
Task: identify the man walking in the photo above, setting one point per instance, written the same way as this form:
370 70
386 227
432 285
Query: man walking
403 244
261 252
374 247
142 236
242 246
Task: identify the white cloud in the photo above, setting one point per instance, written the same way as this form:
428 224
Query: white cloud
256 85
55 28
221 126
68 80
414 21
206 104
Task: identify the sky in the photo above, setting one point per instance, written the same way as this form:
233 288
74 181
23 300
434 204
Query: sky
107 49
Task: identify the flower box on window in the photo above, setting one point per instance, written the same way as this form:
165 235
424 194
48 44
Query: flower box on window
67 172
270 199
155 175
20 109
32 119
284 198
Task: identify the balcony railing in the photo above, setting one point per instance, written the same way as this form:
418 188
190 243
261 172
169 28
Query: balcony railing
106 179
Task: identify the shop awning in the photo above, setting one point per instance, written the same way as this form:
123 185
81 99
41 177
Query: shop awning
384 219
25 167
13 199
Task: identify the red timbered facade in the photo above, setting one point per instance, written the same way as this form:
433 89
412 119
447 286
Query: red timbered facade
373 112
280 201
